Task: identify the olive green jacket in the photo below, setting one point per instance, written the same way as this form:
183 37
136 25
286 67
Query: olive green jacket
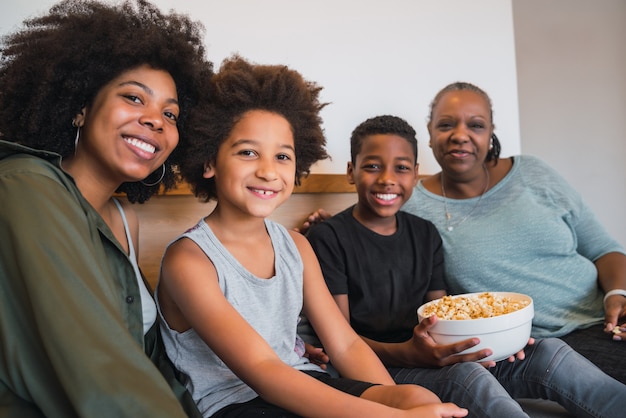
71 332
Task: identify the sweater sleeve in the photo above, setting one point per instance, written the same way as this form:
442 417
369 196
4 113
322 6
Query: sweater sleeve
66 343
592 239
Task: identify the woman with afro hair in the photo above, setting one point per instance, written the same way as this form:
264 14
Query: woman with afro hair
94 98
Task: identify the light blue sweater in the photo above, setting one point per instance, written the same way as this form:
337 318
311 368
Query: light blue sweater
531 233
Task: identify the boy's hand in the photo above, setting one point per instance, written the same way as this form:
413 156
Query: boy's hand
316 355
424 351
314 218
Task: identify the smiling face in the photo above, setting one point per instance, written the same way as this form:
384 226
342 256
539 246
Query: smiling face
384 173
129 129
255 167
460 131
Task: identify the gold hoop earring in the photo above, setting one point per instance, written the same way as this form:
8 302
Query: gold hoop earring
158 181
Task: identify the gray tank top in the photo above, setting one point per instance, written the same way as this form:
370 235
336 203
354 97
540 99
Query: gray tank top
271 306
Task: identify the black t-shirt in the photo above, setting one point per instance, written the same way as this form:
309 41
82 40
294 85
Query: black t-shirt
385 277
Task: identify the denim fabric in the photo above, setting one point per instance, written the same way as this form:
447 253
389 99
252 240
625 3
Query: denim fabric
551 370
468 385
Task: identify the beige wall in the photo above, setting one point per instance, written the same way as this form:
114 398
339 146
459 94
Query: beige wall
571 70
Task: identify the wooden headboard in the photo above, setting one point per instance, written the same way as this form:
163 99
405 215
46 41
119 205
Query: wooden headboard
164 217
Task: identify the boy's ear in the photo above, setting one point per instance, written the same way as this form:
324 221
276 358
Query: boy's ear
209 171
350 173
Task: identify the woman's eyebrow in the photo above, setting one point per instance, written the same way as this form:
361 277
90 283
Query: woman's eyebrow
144 88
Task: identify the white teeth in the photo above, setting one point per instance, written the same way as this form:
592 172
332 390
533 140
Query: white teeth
264 192
387 196
140 144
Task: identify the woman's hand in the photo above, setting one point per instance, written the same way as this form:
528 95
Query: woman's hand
612 275
314 218
614 309
618 331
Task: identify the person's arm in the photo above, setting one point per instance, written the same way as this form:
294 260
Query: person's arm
597 245
65 341
421 350
434 294
189 279
594 243
612 275
347 350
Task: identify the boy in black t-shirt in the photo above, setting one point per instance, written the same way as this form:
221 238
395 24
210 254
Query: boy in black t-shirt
381 264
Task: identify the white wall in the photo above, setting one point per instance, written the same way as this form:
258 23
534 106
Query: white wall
371 57
376 57
571 66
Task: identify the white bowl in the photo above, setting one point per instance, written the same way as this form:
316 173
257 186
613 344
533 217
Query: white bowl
504 334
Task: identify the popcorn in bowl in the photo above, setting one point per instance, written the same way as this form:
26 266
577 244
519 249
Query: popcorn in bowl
474 306
501 320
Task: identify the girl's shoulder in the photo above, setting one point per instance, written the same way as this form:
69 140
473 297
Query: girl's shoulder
299 240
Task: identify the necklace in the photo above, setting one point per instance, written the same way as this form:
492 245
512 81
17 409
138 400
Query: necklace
449 226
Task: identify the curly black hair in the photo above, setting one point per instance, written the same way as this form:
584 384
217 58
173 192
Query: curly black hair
56 64
494 152
238 87
383 124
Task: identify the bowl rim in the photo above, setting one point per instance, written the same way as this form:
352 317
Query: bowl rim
505 318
